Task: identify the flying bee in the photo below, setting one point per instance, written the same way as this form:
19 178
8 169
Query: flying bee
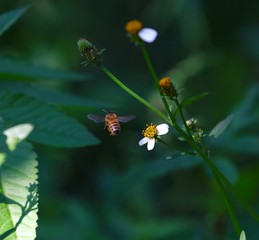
111 121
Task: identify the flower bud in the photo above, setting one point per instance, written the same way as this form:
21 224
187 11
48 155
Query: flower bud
191 123
168 88
133 27
89 52
198 135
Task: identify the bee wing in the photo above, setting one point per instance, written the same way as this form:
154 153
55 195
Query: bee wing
126 118
96 118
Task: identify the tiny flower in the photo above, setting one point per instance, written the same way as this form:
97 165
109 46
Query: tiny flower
136 32
168 88
191 123
198 135
89 52
151 133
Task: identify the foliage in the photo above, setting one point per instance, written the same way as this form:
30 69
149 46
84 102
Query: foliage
111 188
23 104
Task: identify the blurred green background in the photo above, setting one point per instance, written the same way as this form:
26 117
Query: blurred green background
205 46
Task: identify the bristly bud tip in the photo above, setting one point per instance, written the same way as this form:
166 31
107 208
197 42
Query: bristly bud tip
89 52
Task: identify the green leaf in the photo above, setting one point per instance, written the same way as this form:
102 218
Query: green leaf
242 135
190 101
228 169
192 66
155 168
9 18
247 114
221 127
162 229
17 133
193 99
51 96
245 144
242 235
51 127
16 69
18 192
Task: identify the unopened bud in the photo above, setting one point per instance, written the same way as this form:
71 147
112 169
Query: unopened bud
89 52
168 88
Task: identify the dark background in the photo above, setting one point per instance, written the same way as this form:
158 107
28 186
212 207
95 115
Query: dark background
204 46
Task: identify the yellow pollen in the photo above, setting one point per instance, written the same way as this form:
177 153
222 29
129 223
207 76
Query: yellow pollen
150 131
133 26
165 82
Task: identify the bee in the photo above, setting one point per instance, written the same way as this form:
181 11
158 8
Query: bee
111 121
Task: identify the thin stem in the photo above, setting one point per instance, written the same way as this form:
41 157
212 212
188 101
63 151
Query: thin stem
217 177
215 172
133 94
183 118
221 176
234 191
230 208
155 78
149 63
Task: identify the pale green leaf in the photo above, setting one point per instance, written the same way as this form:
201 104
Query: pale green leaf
20 131
9 18
18 192
51 126
221 127
242 235
17 133
16 69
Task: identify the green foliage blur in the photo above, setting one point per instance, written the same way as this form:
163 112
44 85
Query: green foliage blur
104 191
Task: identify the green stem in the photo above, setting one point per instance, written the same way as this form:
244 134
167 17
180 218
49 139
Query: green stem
217 176
234 191
133 94
214 170
183 118
156 80
189 139
149 63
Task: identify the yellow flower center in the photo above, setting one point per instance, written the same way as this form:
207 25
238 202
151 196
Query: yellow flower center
150 131
133 26
165 82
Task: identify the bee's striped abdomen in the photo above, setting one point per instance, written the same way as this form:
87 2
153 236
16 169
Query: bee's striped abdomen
114 128
112 124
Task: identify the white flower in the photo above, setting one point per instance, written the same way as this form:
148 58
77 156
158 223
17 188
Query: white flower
147 35
150 134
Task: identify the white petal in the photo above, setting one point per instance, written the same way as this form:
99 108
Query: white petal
151 144
148 34
143 141
162 129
